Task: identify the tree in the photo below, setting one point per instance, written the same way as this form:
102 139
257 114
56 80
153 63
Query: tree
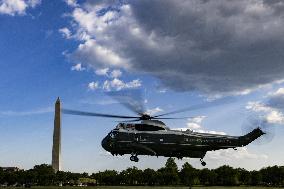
207 177
187 174
21 177
10 177
107 177
255 177
60 177
30 177
149 177
1 176
244 176
272 175
44 174
169 174
131 176
227 176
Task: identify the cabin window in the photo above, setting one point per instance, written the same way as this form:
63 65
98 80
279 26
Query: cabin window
144 127
161 139
186 139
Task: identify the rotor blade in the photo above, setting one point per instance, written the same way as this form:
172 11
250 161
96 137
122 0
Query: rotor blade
82 113
201 106
132 120
172 118
131 99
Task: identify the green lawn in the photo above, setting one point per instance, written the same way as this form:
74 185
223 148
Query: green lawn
145 187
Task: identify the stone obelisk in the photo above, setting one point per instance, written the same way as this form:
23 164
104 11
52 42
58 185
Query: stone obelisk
56 148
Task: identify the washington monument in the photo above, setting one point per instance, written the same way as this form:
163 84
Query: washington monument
56 148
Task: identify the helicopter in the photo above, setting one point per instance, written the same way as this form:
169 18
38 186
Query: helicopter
148 135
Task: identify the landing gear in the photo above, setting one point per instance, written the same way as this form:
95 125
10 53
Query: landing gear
134 158
203 163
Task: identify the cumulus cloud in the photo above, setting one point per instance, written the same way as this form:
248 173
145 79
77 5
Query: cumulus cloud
195 125
102 72
276 99
115 73
214 46
77 67
72 3
117 84
272 110
65 32
154 111
211 132
17 7
93 85
229 154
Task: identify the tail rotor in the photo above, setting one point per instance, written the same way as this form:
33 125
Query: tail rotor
259 121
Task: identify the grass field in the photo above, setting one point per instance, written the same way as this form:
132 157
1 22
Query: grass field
147 187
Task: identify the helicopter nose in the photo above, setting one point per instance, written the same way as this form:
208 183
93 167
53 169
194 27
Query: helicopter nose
105 144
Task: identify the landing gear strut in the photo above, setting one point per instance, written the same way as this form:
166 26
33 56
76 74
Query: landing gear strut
203 163
134 157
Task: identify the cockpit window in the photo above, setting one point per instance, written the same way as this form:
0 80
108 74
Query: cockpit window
113 134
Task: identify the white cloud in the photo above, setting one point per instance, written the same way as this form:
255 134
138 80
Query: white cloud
154 111
65 32
72 3
102 72
275 117
279 92
77 67
93 85
230 154
272 110
106 72
182 43
211 132
197 119
33 3
102 55
115 74
117 84
195 125
17 7
162 90
258 107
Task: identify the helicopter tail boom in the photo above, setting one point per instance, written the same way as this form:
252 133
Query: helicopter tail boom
251 136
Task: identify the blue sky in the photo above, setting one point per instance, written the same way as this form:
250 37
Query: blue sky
175 53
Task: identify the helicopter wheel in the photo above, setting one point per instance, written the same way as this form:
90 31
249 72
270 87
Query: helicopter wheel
203 163
134 158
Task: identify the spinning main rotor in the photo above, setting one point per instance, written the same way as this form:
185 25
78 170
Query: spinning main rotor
132 99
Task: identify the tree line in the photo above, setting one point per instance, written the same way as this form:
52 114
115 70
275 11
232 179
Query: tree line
44 175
